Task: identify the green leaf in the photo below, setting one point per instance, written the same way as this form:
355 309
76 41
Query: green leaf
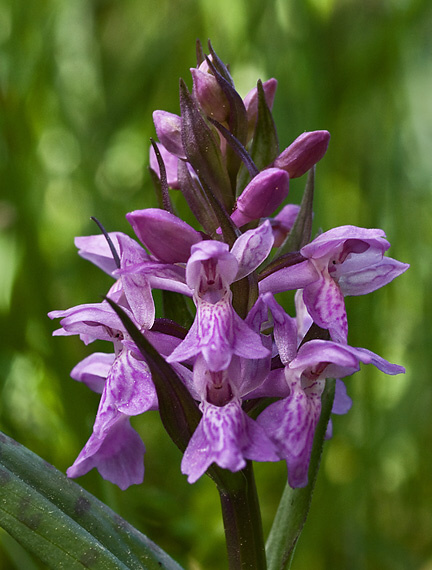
295 503
63 525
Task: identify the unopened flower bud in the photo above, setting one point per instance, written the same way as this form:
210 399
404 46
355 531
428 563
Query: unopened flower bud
168 130
251 100
169 238
261 196
303 153
209 95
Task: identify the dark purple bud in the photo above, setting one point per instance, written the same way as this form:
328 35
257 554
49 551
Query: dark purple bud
261 196
169 238
303 153
168 130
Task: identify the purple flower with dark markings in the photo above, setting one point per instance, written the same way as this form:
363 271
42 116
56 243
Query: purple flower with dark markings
290 422
114 447
226 436
343 261
223 154
218 332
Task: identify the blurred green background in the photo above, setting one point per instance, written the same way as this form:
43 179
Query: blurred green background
79 80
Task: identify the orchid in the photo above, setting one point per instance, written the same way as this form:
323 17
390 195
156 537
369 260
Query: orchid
218 332
344 261
233 376
291 421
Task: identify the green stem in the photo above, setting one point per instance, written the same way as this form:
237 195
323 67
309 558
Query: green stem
242 524
295 503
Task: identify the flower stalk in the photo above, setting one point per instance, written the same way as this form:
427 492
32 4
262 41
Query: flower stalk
242 524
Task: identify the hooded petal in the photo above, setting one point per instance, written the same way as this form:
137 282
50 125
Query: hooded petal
252 248
328 242
169 238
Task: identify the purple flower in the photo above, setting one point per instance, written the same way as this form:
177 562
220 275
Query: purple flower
218 332
283 222
251 103
169 238
226 435
343 261
93 370
171 165
209 94
114 447
290 423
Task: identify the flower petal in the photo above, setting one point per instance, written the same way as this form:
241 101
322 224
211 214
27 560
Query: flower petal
252 248
93 370
118 455
325 303
290 424
225 436
372 277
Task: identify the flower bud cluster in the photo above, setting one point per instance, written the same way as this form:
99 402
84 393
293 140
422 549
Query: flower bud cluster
239 351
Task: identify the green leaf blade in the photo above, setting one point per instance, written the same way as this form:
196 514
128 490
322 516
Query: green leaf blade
63 525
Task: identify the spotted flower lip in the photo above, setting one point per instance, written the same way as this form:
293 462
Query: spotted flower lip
228 437
347 260
291 421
